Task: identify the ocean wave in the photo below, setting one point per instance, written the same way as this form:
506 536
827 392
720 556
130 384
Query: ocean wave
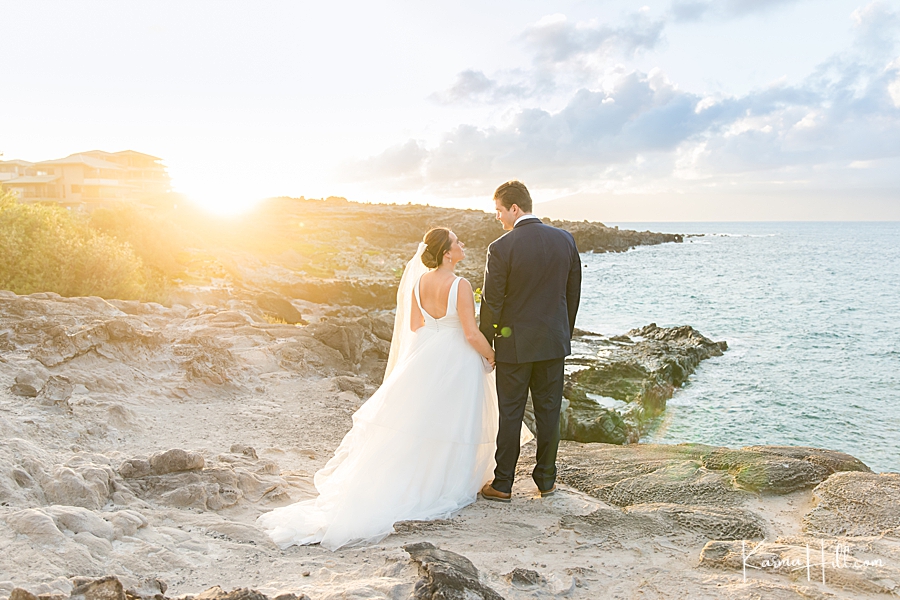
742 235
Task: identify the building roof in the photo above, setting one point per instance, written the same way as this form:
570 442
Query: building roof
135 153
93 152
27 179
16 162
83 159
122 153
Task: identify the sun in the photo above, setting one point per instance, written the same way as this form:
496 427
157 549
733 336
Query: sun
218 198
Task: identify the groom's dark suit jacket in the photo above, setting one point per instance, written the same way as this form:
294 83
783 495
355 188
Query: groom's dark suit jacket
532 286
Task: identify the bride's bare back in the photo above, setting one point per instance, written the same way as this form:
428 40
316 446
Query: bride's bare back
434 292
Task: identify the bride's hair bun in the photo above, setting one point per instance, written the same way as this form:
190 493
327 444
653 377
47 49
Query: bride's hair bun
428 260
437 242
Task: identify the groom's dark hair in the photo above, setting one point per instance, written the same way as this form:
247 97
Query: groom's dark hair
514 192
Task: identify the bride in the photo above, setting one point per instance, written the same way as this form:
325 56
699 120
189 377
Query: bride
423 445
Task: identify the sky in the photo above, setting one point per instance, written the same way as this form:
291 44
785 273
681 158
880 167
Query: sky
676 110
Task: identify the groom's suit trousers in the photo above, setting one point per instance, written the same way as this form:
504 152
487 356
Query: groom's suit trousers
545 380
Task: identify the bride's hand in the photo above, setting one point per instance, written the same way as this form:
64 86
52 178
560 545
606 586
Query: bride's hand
492 360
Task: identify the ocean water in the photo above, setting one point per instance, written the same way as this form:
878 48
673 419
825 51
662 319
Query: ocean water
811 314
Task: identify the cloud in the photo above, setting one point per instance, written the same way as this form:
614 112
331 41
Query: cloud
475 86
561 49
877 28
556 40
605 135
893 87
845 114
695 10
639 130
642 113
402 162
686 10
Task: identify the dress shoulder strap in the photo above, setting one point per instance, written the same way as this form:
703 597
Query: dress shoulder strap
452 297
416 290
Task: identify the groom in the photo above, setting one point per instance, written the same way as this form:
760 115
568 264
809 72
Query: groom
532 285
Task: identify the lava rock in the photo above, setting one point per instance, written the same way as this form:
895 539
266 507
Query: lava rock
280 308
668 520
524 577
640 370
692 474
135 467
20 594
856 503
85 485
176 460
780 469
446 575
346 338
106 588
57 392
30 383
217 593
351 384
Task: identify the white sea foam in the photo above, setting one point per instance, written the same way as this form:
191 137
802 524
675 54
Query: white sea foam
607 402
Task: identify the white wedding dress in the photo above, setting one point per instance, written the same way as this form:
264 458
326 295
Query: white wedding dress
420 448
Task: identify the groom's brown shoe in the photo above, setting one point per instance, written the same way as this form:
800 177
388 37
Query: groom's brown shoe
489 493
549 492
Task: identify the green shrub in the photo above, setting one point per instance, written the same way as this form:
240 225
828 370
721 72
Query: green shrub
45 248
156 240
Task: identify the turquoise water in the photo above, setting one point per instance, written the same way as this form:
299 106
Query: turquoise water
811 314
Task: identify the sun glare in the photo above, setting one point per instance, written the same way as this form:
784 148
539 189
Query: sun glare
219 200
223 206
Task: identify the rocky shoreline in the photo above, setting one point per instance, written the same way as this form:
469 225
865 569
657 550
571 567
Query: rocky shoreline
350 254
141 441
633 374
52 336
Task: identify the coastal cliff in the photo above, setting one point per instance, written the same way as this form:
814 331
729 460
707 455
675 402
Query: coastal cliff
141 441
347 253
